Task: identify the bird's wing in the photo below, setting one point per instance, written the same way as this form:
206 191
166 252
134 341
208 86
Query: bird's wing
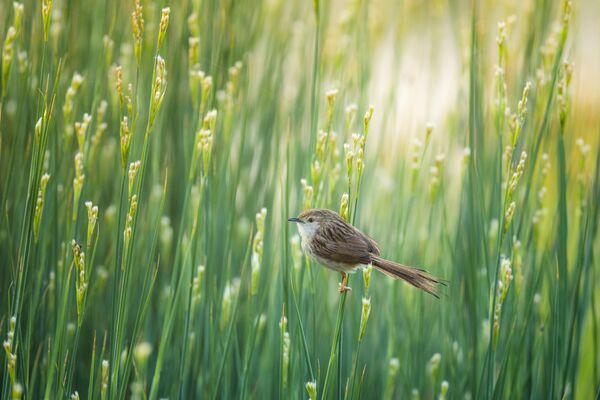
345 244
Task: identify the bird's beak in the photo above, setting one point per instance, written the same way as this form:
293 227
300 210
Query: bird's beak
294 219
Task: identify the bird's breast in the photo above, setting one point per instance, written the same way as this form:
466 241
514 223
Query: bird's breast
326 262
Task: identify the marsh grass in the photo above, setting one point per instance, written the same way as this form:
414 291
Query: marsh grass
150 157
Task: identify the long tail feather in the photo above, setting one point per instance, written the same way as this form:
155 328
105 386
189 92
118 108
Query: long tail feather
417 277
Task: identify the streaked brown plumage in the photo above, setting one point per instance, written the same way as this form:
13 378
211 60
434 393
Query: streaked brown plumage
335 244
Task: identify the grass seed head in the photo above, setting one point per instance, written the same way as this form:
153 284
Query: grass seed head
344 207
508 216
286 357
367 120
125 141
39 205
308 194
444 390
141 352
108 45
229 295
92 218
351 111
7 56
257 250
164 23
197 284
104 379
414 394
429 127
364 316
311 389
193 24
330 95
137 24
81 129
18 15
133 170
433 365
46 16
17 391
193 53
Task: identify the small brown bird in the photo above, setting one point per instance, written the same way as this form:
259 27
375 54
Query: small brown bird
337 245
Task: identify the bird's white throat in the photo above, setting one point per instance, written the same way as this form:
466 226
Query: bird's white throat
307 230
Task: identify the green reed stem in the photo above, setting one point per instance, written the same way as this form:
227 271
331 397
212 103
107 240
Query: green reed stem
314 96
336 340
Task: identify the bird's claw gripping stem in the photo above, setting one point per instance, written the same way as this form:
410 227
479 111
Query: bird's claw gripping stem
343 288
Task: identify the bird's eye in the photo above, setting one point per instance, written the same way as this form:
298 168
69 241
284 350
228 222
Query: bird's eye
311 219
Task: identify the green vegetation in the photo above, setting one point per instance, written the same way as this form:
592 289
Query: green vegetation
151 153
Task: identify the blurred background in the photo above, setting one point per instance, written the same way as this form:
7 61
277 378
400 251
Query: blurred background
151 153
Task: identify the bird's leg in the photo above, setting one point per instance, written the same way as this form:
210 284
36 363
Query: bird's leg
343 288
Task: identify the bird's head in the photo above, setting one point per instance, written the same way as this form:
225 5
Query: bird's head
309 221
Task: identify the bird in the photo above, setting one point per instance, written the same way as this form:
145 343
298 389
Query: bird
332 242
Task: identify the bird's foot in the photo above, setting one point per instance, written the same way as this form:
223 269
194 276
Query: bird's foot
343 288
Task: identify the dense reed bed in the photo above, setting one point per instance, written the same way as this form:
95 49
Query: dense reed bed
151 153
